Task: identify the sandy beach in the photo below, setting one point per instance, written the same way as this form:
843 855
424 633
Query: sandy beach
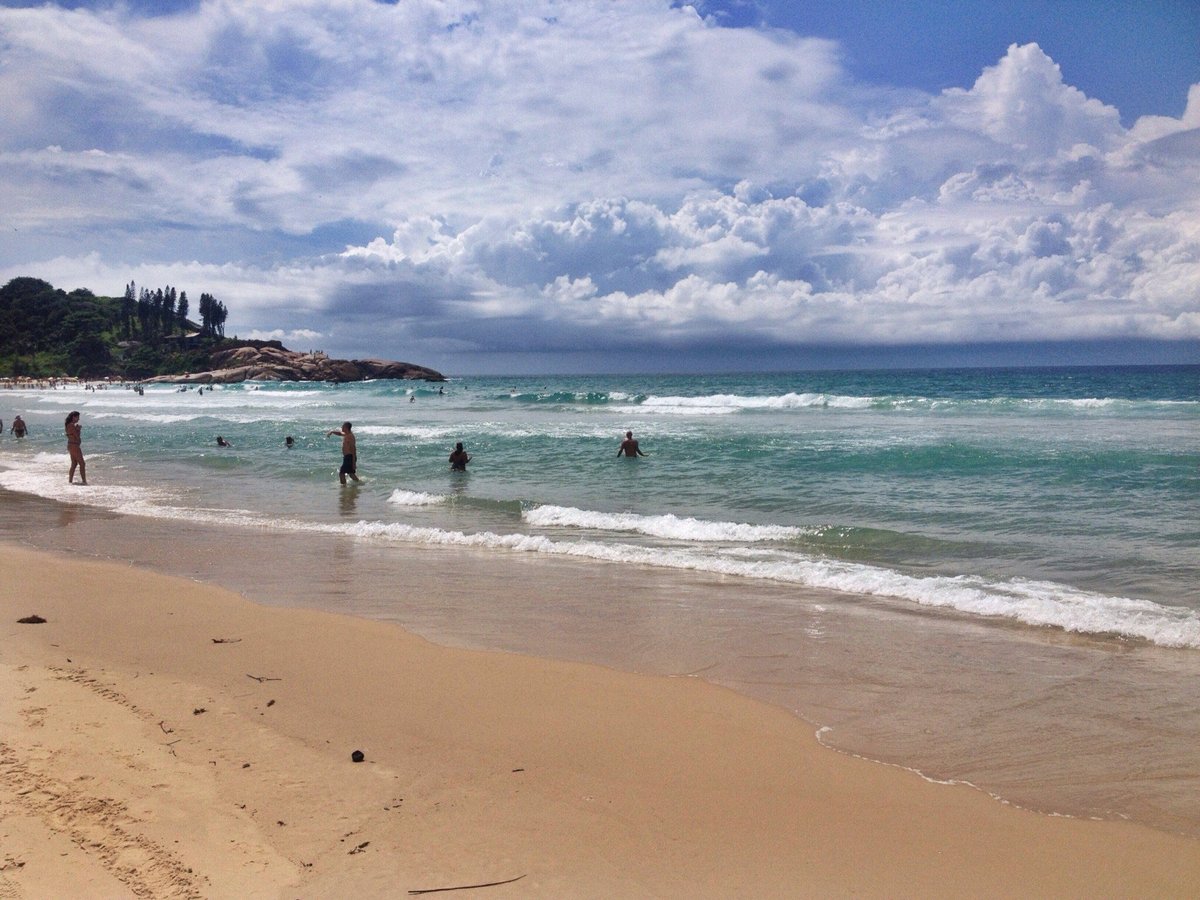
168 738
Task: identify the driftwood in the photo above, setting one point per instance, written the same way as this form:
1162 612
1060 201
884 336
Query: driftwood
261 678
466 887
225 640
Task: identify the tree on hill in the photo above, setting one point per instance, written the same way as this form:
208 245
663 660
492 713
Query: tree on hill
181 311
212 315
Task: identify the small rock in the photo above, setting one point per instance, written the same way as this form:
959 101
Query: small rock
357 756
35 619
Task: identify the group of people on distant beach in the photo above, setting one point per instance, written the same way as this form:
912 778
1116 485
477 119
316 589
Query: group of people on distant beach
349 468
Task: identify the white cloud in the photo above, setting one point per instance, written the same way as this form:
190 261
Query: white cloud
519 175
299 336
1023 103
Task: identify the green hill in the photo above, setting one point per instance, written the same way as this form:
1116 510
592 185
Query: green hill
45 331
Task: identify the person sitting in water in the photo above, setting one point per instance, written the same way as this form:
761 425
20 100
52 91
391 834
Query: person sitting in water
289 441
629 447
221 442
459 458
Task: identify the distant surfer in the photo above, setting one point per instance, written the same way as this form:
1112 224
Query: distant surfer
629 447
75 447
349 452
289 442
459 458
18 427
221 442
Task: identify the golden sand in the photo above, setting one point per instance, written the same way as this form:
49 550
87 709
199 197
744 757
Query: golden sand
165 738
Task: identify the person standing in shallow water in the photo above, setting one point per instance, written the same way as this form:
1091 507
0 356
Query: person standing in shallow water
349 451
459 458
75 447
629 447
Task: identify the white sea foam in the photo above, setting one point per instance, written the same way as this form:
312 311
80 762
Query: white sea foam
726 404
44 475
415 498
663 526
1036 603
662 409
155 418
419 432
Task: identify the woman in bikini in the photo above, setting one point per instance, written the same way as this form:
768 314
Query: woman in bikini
75 448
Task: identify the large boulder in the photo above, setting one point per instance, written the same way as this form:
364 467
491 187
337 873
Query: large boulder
272 362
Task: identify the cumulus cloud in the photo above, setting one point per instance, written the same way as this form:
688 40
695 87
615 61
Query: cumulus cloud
545 176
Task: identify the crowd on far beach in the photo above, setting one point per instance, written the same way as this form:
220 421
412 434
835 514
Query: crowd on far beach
37 384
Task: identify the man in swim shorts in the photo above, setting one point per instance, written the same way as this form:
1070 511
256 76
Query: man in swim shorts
349 452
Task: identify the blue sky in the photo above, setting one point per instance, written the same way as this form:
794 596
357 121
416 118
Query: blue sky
550 186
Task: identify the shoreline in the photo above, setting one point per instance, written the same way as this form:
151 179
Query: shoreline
138 752
891 686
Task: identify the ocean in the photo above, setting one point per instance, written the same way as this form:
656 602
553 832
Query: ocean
972 573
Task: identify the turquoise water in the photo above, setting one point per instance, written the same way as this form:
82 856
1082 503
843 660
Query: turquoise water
1067 498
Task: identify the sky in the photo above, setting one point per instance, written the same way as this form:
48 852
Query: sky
533 186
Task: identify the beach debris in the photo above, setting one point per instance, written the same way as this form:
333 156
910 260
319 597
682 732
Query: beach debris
360 848
261 678
198 710
225 640
466 887
35 619
357 756
270 703
165 729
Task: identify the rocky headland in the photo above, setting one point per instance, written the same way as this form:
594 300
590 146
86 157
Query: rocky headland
270 361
